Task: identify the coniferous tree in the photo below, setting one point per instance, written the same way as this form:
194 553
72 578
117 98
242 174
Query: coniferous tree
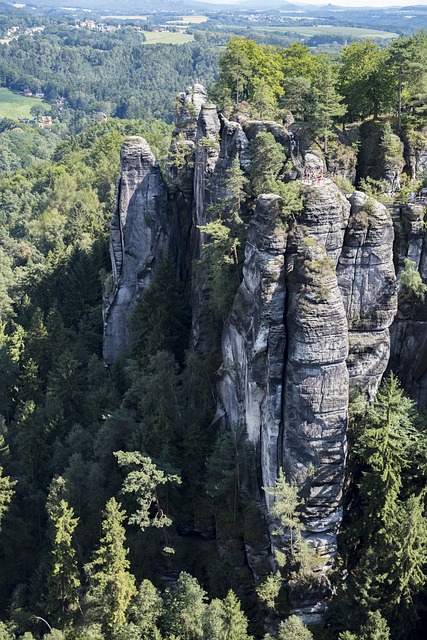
111 585
327 101
235 621
144 480
294 629
267 159
185 605
64 580
146 609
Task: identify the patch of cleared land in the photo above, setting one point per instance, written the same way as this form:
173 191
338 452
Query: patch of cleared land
353 32
124 17
167 37
13 105
189 20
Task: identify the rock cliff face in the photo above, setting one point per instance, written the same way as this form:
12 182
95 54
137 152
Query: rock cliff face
140 235
310 321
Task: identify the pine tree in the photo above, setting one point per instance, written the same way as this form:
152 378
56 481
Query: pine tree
267 159
294 629
146 609
185 606
111 585
235 621
64 581
6 490
144 480
327 101
382 446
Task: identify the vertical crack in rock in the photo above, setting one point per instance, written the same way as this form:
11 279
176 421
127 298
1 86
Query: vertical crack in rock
218 142
309 321
254 339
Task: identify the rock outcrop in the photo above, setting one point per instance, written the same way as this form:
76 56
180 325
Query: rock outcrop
140 235
368 287
310 321
313 300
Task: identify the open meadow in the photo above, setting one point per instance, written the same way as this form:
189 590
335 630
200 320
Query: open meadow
13 104
167 37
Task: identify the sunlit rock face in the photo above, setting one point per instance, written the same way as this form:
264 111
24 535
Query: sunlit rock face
310 322
139 237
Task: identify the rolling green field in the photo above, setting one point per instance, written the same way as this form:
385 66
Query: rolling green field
354 32
167 37
13 105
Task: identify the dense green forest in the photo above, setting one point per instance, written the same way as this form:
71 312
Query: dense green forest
100 478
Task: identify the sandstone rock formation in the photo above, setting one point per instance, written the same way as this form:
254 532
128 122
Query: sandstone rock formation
310 321
140 235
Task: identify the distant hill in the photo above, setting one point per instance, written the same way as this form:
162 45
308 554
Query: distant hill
128 6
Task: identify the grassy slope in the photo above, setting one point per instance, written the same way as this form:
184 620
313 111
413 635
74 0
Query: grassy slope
165 37
13 105
355 32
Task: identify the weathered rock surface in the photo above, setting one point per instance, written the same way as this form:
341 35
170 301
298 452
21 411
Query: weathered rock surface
316 380
292 345
140 233
218 143
253 343
368 287
310 320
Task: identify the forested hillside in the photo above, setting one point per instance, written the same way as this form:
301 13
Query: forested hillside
247 459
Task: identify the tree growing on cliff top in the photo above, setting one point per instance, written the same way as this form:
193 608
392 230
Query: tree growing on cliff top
327 102
267 160
408 59
365 80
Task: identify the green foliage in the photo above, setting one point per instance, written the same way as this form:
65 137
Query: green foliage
295 558
292 201
146 609
293 629
327 101
391 530
185 605
267 160
6 489
161 319
234 620
225 233
111 585
365 80
143 480
391 146
64 581
245 68
268 591
411 280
